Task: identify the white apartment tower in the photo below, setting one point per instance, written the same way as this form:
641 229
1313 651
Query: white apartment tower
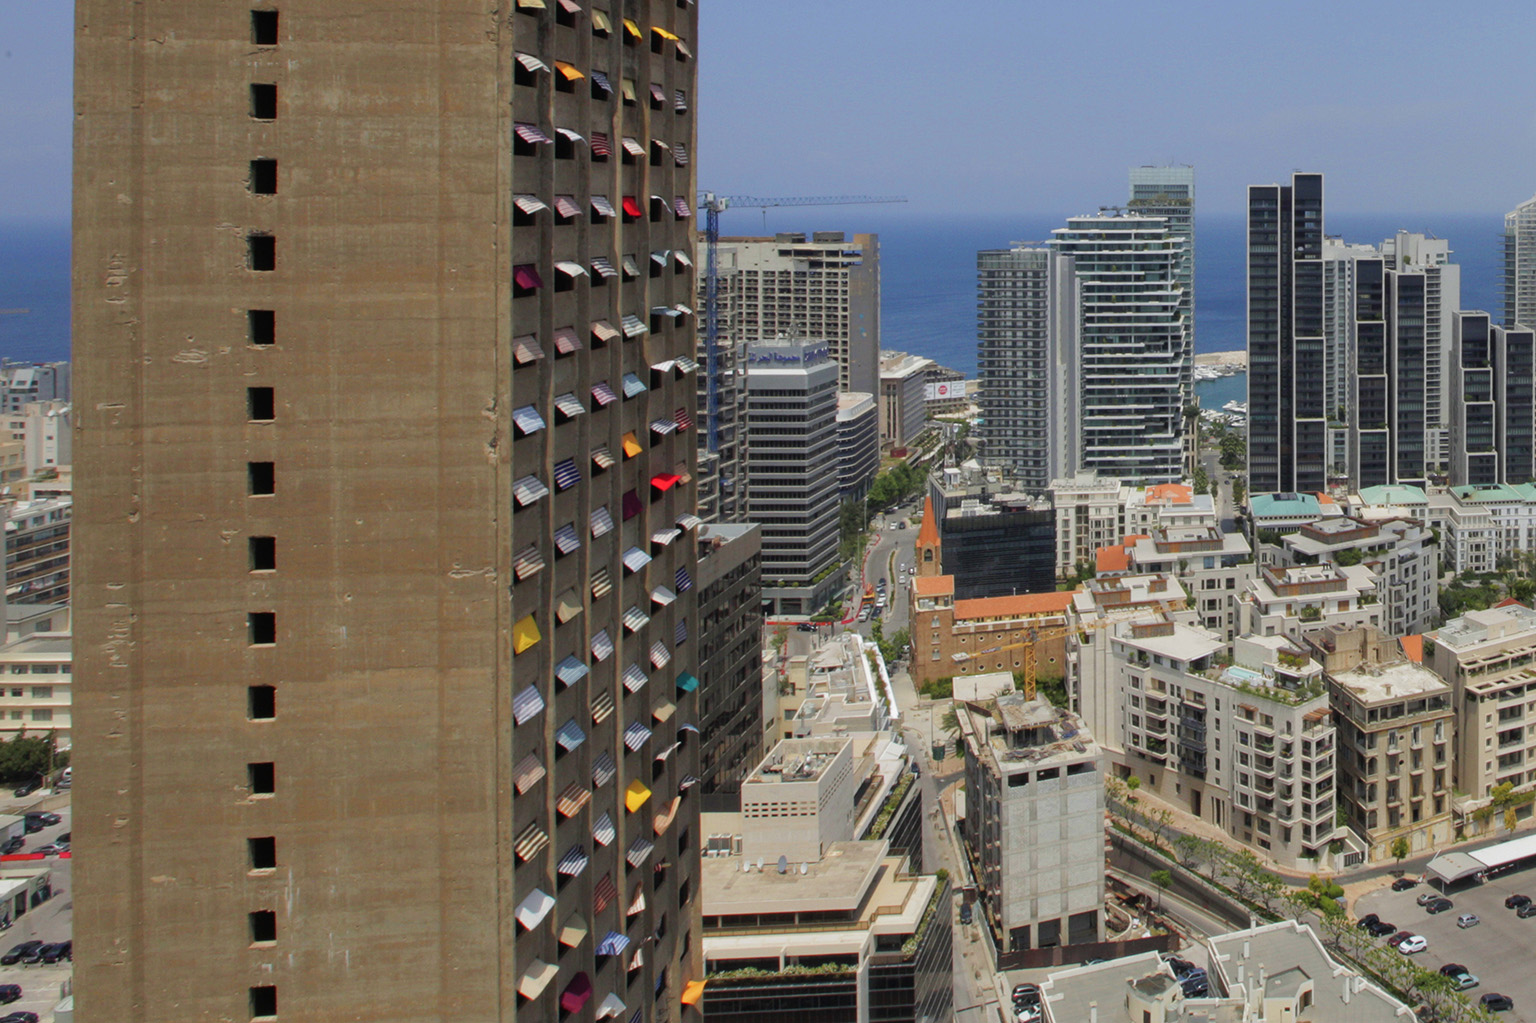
1520 265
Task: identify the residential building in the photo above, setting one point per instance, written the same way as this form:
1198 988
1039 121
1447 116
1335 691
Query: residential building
1287 363
1166 506
825 287
22 383
986 531
379 655
903 399
1169 193
833 691
1408 253
1486 657
1396 731
1401 553
36 672
792 468
858 444
1340 319
953 637
1089 515
37 555
1134 361
730 705
1289 601
1213 566
1026 330
1236 734
854 934
1491 402
1273 973
44 429
1093 676
947 391
1034 822
1520 265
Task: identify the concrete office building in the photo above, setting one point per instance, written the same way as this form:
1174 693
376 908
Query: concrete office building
903 399
792 466
1396 731
1034 822
1486 658
380 420
1492 438
730 657
825 287
858 445
1520 265
1026 328
856 934
1287 364
1134 360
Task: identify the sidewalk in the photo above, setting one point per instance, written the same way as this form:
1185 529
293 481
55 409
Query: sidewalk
1185 823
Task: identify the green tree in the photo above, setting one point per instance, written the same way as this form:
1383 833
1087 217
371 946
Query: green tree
1164 880
1202 481
1234 451
950 722
1239 490
851 529
1400 848
1510 819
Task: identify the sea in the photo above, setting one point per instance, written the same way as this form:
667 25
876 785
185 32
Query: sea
927 264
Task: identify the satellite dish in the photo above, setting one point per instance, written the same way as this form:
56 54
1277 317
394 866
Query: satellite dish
804 867
759 864
783 864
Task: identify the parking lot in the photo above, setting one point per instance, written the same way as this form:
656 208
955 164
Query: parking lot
41 986
1497 950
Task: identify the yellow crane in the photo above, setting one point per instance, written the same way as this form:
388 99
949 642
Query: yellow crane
1044 635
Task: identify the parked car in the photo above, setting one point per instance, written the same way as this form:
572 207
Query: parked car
1425 898
1380 929
1516 901
1451 969
1527 910
35 956
1196 985
51 819
1026 994
9 993
1181 967
1411 944
1440 906
19 1016
1496 1002
13 957
28 787
1365 922
51 849
1399 937
1402 884
1467 920
63 838
54 952
1465 981
12 844
965 913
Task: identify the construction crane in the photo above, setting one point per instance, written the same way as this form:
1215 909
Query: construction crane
713 205
1045 635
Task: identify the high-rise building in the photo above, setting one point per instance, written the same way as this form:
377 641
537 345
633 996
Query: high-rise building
722 430
1492 432
1287 362
730 660
1133 355
1169 192
1520 265
1026 318
824 287
858 444
792 461
387 665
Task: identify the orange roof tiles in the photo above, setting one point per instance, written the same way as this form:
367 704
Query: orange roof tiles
1323 498
1171 492
1413 646
928 534
1509 602
934 585
1055 603
1111 559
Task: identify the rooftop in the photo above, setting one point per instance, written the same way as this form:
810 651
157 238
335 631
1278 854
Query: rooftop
838 882
1285 506
1494 624
794 760
1017 733
1373 683
1288 953
1394 494
1486 495
1022 606
1182 643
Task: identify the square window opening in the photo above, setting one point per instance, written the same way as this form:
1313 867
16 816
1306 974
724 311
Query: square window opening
262 852
264 1001
262 778
262 478
261 252
261 702
264 28
263 550
260 404
262 627
264 177
263 926
261 326
264 101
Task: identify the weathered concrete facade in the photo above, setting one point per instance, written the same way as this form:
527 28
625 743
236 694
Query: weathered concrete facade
299 578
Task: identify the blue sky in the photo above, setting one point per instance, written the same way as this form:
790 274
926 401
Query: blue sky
1026 105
